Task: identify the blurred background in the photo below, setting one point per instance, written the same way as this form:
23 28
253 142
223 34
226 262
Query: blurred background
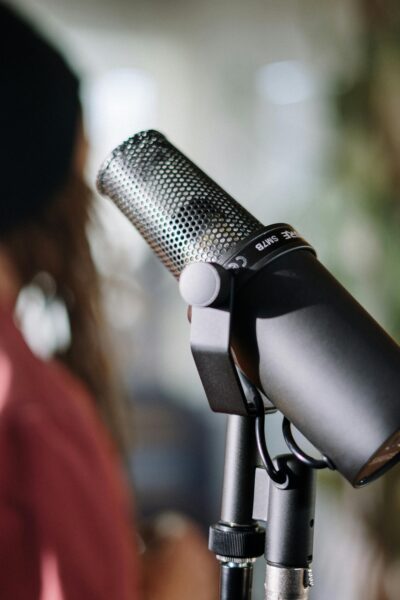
292 107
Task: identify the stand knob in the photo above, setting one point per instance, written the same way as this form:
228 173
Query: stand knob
236 541
204 284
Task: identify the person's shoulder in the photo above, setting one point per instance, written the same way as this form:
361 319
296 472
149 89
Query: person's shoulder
19 379
20 370
12 343
13 360
35 395
39 396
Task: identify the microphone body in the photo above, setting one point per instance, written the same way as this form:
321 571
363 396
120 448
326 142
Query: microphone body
322 361
297 333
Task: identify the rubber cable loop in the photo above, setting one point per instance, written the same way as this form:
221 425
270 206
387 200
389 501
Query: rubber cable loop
314 463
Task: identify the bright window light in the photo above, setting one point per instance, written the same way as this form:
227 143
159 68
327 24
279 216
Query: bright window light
119 103
286 82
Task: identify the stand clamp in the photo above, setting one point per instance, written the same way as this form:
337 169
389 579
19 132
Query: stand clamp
209 289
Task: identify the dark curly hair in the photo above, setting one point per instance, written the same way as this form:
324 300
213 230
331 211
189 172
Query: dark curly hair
45 205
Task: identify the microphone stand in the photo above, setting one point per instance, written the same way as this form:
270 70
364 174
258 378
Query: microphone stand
237 539
280 493
249 496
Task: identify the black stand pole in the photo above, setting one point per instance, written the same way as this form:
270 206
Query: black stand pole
237 540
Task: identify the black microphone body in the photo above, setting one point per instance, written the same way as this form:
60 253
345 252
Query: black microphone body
322 361
297 333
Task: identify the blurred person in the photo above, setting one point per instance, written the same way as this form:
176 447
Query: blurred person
66 526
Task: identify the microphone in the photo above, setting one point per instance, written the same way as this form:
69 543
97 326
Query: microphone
297 334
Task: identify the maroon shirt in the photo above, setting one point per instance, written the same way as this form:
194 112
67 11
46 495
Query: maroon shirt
65 531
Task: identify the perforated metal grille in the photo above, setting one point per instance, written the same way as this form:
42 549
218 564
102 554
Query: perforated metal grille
183 215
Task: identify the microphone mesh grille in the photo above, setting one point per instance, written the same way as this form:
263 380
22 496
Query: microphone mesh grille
183 215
